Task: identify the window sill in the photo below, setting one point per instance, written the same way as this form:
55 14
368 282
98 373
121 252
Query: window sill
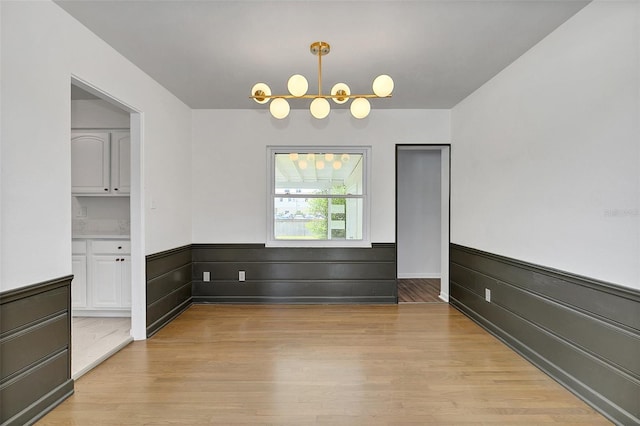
319 244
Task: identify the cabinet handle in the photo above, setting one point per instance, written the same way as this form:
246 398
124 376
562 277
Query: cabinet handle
119 247
117 260
115 189
106 189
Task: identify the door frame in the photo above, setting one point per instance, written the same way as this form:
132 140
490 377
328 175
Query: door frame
445 207
136 199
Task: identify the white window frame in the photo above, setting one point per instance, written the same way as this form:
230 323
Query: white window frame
365 151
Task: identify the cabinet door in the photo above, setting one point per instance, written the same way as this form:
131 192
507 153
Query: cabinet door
90 163
106 281
79 283
125 284
120 162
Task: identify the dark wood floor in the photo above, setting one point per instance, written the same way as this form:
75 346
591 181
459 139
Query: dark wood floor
419 290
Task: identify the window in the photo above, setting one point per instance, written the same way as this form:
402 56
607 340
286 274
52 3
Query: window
327 202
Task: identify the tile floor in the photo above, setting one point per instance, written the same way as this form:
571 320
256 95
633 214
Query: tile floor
94 339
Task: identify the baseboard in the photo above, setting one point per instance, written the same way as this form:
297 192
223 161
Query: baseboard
102 313
294 300
419 275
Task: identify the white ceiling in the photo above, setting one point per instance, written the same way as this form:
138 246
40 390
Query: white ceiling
209 53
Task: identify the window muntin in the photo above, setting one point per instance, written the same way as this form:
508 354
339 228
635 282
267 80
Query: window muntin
318 196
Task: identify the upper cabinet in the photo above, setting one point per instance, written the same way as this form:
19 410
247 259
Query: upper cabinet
100 163
121 162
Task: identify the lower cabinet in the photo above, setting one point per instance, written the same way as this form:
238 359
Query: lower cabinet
111 281
102 278
79 283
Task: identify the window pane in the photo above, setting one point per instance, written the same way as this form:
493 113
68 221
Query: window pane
318 173
318 219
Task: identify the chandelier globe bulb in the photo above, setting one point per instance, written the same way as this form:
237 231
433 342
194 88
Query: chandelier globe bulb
360 108
383 85
279 108
298 85
342 91
320 108
260 91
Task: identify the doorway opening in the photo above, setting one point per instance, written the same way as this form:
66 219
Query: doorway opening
107 253
422 223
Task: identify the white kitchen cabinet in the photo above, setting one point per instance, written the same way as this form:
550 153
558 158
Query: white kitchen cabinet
125 283
121 162
111 274
100 163
79 283
107 283
90 163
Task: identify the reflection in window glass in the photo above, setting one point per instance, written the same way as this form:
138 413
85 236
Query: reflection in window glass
325 192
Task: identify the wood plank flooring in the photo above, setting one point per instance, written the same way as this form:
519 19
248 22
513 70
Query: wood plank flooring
413 364
419 290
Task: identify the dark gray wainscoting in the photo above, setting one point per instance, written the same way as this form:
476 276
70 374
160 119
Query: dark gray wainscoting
168 286
35 350
294 275
582 332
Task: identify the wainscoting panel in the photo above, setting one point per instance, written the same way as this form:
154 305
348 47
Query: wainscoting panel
294 275
168 286
584 333
35 348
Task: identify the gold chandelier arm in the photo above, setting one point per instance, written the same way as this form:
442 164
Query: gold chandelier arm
319 96
320 73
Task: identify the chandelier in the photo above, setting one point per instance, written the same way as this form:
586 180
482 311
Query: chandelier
320 107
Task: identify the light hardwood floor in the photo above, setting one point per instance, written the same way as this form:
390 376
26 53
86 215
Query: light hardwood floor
413 364
95 339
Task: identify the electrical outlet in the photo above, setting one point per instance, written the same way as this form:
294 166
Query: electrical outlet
487 294
241 276
206 276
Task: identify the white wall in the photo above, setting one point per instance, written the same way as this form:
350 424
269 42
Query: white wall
42 47
97 114
229 163
545 165
419 206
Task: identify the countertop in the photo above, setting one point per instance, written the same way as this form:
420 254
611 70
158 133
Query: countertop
101 237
